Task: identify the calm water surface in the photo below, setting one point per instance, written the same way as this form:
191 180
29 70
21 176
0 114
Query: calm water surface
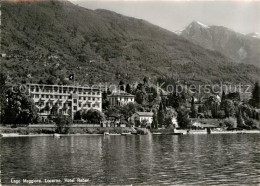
188 159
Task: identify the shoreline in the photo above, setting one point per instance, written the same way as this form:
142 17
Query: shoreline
6 135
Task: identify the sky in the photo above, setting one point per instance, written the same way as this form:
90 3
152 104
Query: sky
242 16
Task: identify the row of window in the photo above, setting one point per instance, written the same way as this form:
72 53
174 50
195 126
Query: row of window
65 91
68 104
64 97
120 99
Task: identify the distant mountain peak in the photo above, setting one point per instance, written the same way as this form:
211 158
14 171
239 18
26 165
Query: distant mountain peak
192 25
197 23
238 46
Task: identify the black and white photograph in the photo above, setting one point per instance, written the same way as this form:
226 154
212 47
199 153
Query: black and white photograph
129 92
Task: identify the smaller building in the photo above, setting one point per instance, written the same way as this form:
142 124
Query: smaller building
145 116
120 98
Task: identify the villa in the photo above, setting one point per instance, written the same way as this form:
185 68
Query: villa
120 98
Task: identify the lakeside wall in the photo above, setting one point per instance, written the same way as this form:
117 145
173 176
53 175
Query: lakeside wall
50 129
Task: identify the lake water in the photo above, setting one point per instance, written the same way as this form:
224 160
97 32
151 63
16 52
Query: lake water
151 159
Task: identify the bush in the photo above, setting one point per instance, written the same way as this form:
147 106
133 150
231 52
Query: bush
63 124
230 122
253 123
220 114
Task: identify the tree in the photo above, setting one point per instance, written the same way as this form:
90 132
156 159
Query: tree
229 108
93 116
129 109
223 97
255 101
63 123
175 100
240 119
183 117
78 115
19 109
141 97
155 121
2 96
194 111
121 86
155 97
234 96
145 80
161 115
170 114
128 89
105 102
51 80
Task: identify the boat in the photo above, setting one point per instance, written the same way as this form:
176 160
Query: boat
157 133
56 135
126 133
106 133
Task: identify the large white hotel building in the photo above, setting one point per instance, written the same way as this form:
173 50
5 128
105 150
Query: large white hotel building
66 100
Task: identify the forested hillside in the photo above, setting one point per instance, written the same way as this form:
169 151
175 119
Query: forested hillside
47 41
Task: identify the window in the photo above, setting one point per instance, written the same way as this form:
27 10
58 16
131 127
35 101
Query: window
75 108
74 101
79 104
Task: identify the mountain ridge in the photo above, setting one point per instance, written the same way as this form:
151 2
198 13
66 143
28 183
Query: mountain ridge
238 46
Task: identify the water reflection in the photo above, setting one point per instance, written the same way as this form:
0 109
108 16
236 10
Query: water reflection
196 159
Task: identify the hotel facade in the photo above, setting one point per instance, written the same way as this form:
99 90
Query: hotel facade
62 99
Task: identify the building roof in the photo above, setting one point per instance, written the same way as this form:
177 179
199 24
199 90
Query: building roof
64 86
150 114
120 94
